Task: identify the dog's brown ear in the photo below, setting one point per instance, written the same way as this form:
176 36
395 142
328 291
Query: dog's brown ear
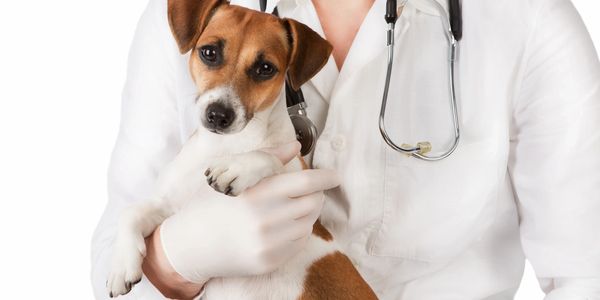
188 18
309 53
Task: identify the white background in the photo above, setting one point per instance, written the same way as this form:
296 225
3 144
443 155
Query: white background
62 67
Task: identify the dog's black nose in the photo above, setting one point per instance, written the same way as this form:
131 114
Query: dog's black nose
219 116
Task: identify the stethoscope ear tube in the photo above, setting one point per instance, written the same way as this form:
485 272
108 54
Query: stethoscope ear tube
391 13
456 23
263 5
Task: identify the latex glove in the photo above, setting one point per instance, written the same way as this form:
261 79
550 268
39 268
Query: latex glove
251 234
571 288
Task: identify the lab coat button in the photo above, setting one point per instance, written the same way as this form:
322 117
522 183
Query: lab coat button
338 143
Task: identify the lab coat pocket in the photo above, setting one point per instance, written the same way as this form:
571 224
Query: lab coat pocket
432 211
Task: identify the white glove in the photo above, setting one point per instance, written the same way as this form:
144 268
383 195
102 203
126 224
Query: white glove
251 234
572 288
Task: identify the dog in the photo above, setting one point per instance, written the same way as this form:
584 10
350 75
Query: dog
239 62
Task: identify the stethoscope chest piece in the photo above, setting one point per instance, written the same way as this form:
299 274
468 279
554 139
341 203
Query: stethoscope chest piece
306 131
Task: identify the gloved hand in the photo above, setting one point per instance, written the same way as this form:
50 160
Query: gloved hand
251 234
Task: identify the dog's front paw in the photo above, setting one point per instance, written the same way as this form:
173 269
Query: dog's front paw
233 174
126 270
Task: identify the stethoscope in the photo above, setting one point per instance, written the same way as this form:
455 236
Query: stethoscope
306 131
453 29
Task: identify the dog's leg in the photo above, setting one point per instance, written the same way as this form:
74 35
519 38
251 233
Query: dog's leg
232 174
136 223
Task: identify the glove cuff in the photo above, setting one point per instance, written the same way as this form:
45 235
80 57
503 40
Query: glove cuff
171 249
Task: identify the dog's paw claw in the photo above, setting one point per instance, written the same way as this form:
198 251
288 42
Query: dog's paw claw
223 182
120 286
233 174
228 191
126 272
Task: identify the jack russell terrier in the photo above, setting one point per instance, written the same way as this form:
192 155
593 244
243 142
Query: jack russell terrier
238 80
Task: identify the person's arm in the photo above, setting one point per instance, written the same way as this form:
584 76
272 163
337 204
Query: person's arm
555 154
163 276
149 136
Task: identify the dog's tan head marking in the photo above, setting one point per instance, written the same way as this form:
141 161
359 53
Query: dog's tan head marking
239 58
189 18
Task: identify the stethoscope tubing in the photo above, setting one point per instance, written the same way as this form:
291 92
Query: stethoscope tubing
423 147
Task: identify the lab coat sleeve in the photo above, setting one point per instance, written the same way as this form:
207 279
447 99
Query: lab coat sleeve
148 137
554 159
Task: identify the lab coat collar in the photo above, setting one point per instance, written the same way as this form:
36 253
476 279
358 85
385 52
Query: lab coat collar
428 6
373 34
425 6
370 42
271 4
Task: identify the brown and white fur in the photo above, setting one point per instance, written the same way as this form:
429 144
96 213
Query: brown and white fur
238 108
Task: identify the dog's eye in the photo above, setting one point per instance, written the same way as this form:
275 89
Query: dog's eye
261 70
210 55
265 70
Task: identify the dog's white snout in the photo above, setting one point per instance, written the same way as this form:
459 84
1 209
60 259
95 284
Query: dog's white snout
221 110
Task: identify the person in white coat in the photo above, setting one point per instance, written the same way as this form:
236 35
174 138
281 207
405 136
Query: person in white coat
523 183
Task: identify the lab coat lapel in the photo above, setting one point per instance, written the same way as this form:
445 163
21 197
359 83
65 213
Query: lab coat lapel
255 4
369 43
428 6
325 80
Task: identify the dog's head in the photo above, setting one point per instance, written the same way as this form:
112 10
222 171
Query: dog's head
240 58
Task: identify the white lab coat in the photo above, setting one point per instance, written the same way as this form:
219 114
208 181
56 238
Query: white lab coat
524 181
